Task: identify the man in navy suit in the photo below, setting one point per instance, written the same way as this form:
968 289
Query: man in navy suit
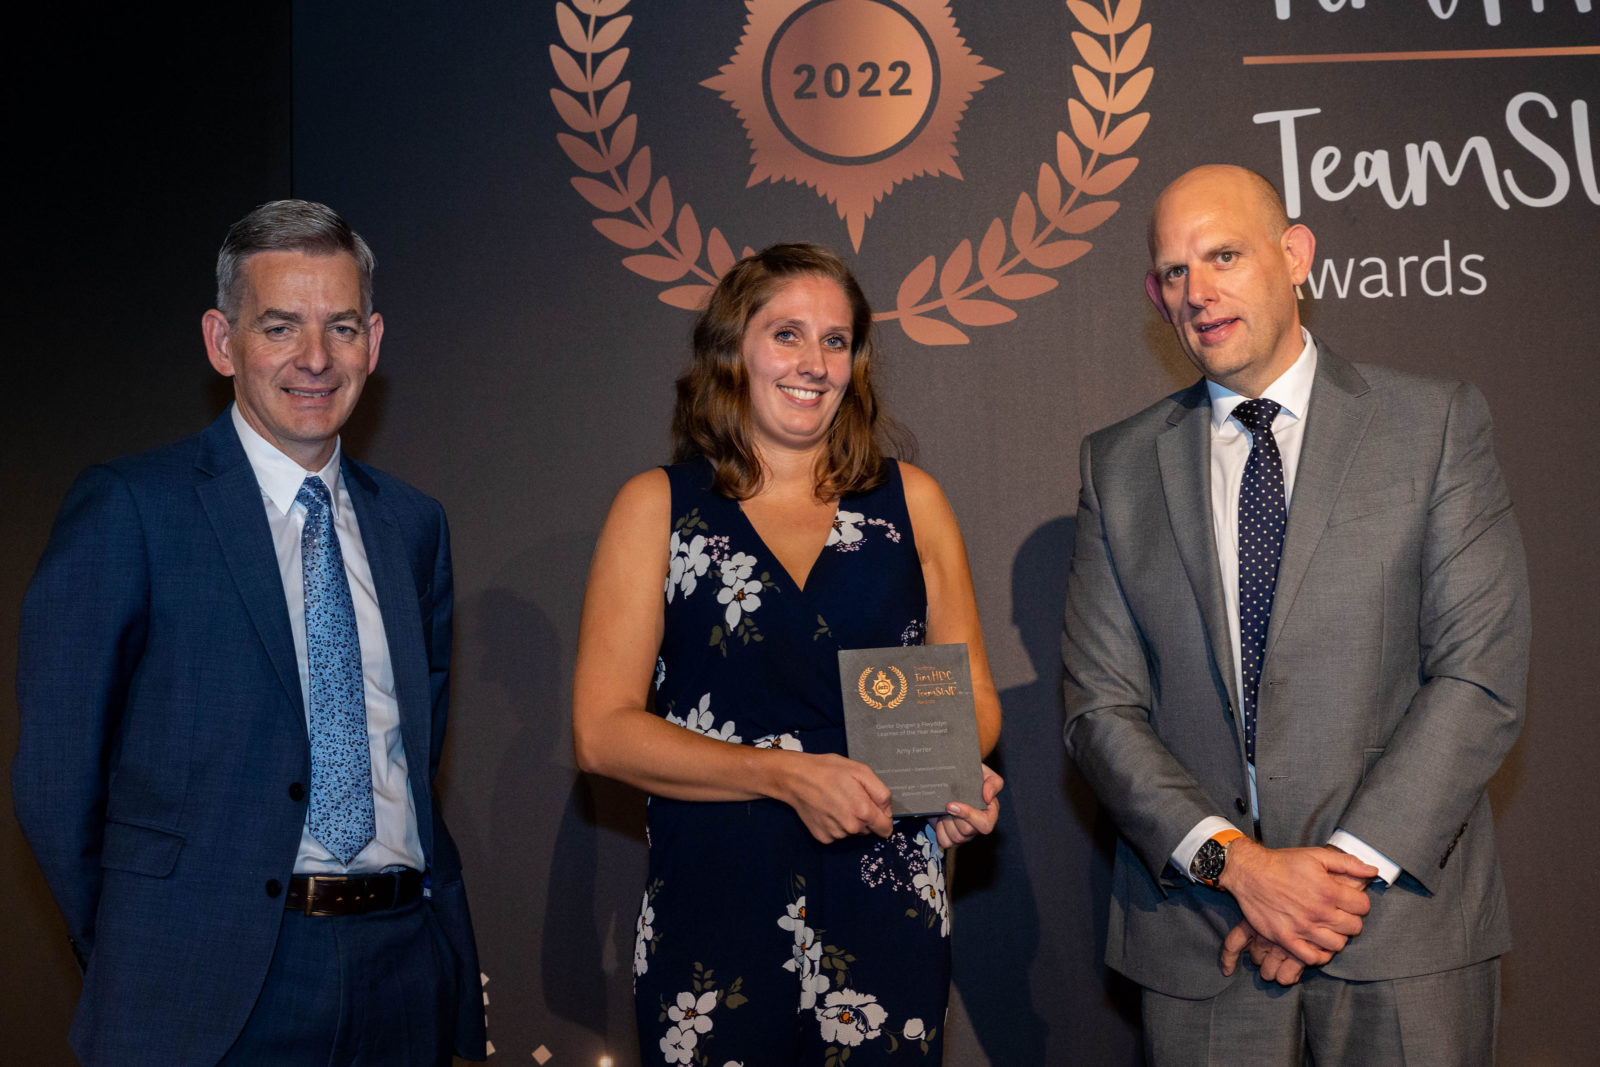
233 679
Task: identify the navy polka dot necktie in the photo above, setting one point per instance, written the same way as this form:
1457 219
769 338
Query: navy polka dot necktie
341 767
1262 518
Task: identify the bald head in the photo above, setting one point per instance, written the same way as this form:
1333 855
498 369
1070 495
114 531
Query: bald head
1224 265
1231 182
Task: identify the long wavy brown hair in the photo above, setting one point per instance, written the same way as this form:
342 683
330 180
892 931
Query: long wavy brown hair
712 416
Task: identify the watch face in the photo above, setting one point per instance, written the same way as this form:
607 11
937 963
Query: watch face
1208 862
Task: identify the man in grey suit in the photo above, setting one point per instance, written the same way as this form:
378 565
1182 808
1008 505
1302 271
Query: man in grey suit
233 678
1296 643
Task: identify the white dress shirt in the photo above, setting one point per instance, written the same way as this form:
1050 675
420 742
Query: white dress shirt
396 842
1230 448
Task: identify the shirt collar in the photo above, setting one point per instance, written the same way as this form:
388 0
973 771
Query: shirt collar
1292 390
279 476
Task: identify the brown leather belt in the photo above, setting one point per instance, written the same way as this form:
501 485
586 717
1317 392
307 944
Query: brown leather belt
352 894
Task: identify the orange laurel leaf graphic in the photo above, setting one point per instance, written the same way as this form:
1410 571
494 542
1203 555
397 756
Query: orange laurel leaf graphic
1091 20
582 153
625 233
670 246
1127 14
590 66
932 332
1065 197
687 297
657 268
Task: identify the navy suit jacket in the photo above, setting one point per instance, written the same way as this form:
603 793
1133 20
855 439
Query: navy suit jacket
163 737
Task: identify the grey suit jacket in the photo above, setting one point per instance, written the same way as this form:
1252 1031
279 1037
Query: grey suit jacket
1392 686
160 768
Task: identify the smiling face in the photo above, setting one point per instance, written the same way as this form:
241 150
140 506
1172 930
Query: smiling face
300 351
796 352
1225 264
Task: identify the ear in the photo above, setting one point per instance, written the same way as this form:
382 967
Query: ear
374 339
1299 249
214 327
1152 289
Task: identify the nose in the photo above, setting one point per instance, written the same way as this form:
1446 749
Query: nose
314 352
811 362
1201 288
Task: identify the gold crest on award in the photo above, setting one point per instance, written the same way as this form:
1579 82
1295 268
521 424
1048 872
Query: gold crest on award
851 97
881 689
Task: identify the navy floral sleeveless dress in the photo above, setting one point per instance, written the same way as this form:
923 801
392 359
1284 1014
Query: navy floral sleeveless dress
756 944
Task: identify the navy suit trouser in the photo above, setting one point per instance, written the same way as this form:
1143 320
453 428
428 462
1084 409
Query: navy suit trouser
359 990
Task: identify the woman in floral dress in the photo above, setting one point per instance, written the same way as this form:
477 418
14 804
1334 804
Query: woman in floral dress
786 918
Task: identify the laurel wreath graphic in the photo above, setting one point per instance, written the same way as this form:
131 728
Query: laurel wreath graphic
1045 231
878 705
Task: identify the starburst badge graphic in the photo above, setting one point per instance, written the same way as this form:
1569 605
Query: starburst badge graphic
851 97
978 282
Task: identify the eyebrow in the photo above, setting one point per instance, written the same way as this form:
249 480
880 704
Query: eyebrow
294 317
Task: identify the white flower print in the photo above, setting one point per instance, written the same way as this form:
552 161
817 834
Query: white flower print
678 1044
691 1014
701 721
784 741
661 672
849 1017
846 531
796 917
914 1029
737 568
806 957
689 563
928 842
812 986
644 930
741 596
929 883
805 961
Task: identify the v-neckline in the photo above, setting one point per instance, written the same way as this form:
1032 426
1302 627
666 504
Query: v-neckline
777 561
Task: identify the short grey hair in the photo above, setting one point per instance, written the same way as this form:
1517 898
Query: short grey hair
288 226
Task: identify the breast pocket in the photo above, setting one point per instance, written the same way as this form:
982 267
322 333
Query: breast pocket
1376 502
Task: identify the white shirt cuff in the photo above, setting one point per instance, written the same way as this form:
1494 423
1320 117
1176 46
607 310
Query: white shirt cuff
1183 855
1388 870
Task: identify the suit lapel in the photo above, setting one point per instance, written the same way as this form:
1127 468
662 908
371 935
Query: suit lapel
402 627
1184 456
1340 410
231 498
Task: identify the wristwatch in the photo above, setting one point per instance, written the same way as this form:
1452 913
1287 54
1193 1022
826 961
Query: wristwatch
1212 856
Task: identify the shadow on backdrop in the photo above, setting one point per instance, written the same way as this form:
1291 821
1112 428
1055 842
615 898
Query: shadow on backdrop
1034 991
571 910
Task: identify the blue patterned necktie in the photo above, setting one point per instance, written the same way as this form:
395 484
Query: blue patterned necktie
1262 518
341 768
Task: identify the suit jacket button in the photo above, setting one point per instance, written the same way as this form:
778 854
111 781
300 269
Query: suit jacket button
1240 806
274 887
297 792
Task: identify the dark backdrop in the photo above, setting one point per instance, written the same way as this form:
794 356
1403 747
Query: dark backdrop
527 372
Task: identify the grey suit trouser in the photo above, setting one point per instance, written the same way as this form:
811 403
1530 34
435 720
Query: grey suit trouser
1447 1019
